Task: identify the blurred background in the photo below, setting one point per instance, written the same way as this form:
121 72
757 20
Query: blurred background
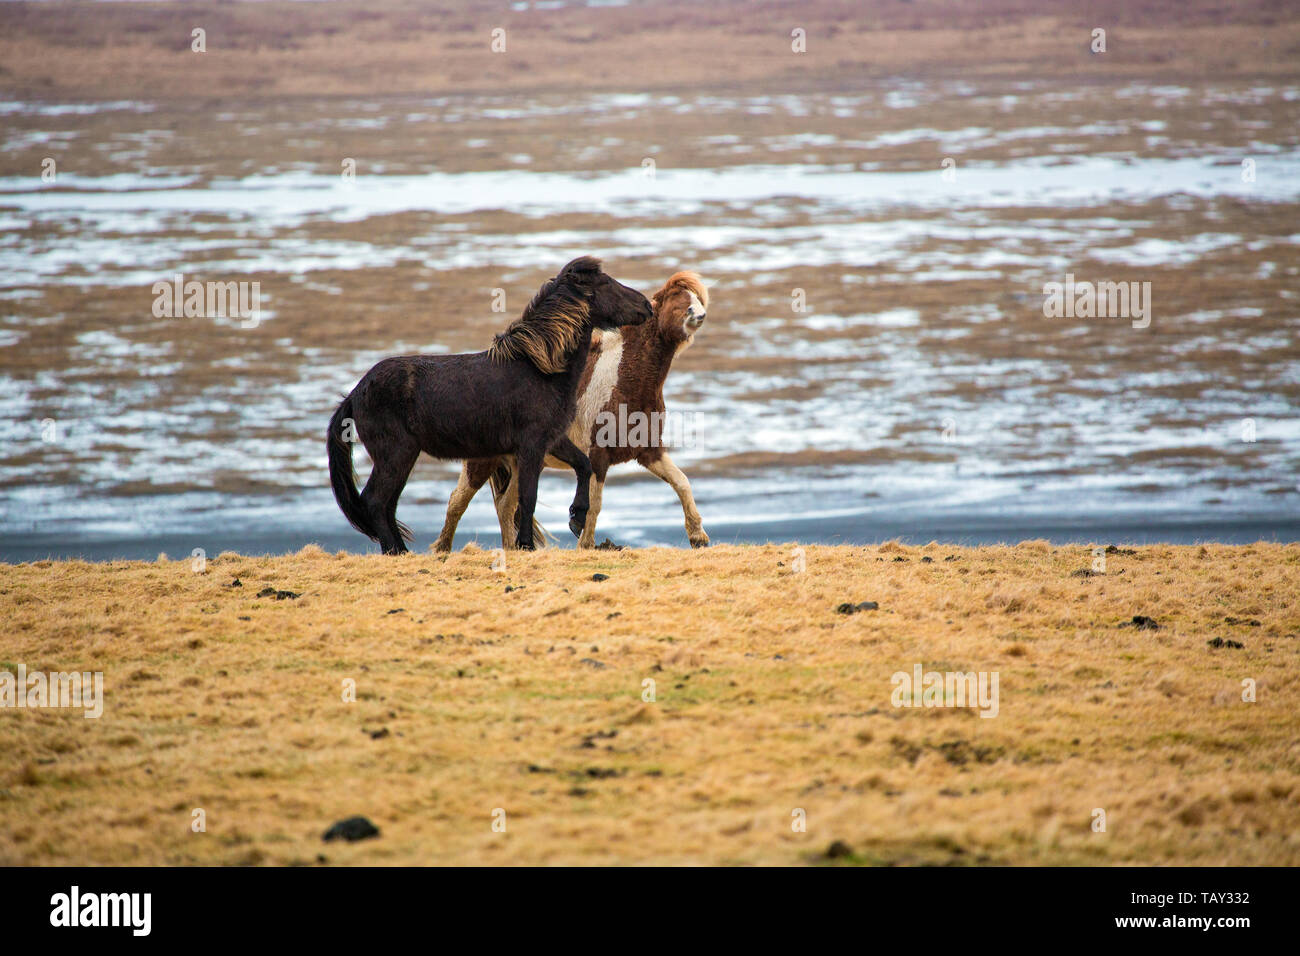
875 192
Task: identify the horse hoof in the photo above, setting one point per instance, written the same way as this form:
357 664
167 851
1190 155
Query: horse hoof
577 521
700 542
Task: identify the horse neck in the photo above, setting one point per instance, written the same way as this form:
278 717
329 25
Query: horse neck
655 352
571 377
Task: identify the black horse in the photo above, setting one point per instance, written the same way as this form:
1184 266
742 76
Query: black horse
517 398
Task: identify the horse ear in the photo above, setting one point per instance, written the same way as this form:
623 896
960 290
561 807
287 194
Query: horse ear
582 269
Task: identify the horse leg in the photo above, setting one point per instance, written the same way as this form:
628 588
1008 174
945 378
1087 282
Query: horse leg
472 476
572 455
599 469
661 466
505 497
528 468
384 487
588 537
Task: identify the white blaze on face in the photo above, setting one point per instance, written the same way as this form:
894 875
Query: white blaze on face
694 309
596 396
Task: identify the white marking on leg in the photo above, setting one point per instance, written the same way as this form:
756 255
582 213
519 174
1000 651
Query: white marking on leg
666 469
594 489
507 503
456 505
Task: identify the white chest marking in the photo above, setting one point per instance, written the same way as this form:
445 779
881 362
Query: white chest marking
596 396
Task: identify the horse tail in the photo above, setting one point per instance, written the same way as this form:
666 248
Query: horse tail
500 481
342 477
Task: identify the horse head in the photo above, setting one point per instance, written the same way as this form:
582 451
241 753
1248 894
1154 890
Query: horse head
611 304
680 307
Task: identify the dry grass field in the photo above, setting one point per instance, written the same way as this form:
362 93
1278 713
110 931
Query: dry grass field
522 691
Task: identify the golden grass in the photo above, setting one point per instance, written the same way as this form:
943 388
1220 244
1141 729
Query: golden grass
767 701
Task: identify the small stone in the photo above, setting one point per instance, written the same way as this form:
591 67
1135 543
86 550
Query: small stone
351 829
848 607
1220 642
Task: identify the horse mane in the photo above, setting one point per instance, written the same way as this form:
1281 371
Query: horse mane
689 281
549 329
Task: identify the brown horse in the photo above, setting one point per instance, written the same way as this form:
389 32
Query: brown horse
515 399
624 376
